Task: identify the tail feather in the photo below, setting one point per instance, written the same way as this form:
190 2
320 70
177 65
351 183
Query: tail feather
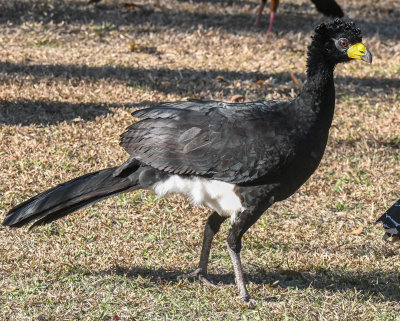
391 220
68 197
328 8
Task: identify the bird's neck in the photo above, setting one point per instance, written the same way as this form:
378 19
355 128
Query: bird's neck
318 92
318 62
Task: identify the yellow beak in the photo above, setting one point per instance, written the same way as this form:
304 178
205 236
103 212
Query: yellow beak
359 51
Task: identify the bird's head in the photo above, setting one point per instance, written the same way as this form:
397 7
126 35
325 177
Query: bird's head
339 41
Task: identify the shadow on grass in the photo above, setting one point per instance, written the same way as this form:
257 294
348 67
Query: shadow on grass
41 112
179 81
222 2
26 112
184 82
375 283
291 18
157 17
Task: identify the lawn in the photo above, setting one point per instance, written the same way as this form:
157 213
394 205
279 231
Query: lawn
70 75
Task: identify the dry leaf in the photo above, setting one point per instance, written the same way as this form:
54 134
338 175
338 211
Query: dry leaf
116 317
237 98
10 288
260 82
395 239
390 238
220 78
133 5
77 119
296 82
357 231
387 11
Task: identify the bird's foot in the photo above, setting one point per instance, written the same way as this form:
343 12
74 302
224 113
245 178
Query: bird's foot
197 274
249 301
257 22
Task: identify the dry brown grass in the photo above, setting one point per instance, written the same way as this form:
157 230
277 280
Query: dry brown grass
68 84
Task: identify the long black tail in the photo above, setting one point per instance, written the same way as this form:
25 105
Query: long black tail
328 8
68 197
391 220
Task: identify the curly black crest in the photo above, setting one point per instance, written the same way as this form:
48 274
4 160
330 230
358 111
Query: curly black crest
337 28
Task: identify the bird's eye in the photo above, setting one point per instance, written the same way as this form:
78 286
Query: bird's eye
344 43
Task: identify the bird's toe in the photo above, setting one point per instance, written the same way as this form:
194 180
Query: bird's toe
249 302
197 274
191 275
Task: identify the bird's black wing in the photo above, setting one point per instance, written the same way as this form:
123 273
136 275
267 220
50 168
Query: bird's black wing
230 142
391 219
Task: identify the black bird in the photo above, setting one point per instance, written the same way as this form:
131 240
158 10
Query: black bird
391 221
328 8
237 159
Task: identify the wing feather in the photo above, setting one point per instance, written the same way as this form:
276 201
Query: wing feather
230 142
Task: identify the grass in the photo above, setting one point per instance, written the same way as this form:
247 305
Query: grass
69 79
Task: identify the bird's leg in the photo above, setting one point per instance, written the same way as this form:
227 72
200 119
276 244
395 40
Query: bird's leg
239 226
259 12
237 267
271 21
273 6
211 228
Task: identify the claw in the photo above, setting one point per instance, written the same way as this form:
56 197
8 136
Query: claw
206 281
192 275
249 302
197 274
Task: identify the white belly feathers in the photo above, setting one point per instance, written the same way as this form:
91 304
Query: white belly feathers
217 195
